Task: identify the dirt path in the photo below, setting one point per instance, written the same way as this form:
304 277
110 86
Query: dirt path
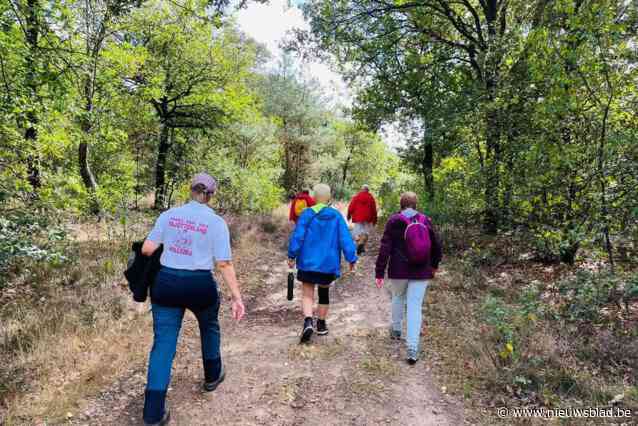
354 376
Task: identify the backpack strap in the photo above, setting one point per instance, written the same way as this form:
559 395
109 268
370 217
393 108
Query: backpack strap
423 219
417 218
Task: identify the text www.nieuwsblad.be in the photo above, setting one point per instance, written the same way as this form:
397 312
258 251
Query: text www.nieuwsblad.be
565 413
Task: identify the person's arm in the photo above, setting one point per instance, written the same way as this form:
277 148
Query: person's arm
230 278
384 253
149 247
346 244
222 255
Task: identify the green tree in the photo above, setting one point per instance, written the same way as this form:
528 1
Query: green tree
42 51
295 104
185 69
94 21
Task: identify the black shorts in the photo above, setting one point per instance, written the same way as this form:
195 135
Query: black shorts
312 277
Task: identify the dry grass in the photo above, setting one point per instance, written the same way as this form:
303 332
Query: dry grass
318 351
66 332
379 366
288 392
68 366
357 385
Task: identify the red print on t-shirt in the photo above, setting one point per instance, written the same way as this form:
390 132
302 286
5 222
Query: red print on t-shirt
183 241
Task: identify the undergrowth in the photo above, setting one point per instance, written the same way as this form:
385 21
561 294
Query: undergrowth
513 332
64 315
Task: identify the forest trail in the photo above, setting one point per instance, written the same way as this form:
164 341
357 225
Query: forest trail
353 376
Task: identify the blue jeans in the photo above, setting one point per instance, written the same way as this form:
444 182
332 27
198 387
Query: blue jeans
412 293
167 321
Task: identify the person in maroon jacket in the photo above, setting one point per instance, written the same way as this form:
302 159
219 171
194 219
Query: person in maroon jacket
301 201
363 213
409 281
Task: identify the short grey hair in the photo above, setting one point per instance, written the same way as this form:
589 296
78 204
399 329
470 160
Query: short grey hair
322 191
365 187
408 200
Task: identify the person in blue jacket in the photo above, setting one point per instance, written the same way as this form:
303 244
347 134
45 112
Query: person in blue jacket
316 245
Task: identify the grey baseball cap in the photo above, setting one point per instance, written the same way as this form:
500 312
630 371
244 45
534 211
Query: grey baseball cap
205 179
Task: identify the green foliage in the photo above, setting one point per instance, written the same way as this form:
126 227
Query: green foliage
587 293
553 245
389 193
349 156
510 340
527 128
500 316
26 235
459 203
252 189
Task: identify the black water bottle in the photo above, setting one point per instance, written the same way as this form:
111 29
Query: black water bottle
291 283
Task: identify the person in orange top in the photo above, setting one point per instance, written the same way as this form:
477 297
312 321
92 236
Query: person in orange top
363 213
301 201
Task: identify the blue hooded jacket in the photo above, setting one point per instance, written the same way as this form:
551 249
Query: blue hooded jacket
319 239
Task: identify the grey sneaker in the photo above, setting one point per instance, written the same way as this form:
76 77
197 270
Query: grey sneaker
413 356
395 334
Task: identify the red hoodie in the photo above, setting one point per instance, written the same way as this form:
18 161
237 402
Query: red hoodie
301 196
363 208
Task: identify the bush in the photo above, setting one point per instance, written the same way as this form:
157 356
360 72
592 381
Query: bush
455 198
24 235
481 256
586 293
553 245
509 339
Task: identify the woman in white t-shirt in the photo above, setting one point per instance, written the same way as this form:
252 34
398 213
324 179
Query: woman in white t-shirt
195 240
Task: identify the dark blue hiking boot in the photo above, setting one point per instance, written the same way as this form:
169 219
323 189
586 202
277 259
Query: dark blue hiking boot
164 421
211 386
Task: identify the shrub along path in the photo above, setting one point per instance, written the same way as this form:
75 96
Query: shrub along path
354 376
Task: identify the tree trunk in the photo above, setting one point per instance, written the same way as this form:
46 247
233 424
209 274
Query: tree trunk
160 168
492 175
83 150
33 168
344 175
601 180
31 133
492 126
427 168
88 178
508 185
287 177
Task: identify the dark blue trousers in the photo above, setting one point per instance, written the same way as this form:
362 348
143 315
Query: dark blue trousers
174 292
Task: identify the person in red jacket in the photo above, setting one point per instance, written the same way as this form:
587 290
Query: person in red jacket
301 201
363 213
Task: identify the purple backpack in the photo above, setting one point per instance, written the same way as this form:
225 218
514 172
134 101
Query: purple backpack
418 245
